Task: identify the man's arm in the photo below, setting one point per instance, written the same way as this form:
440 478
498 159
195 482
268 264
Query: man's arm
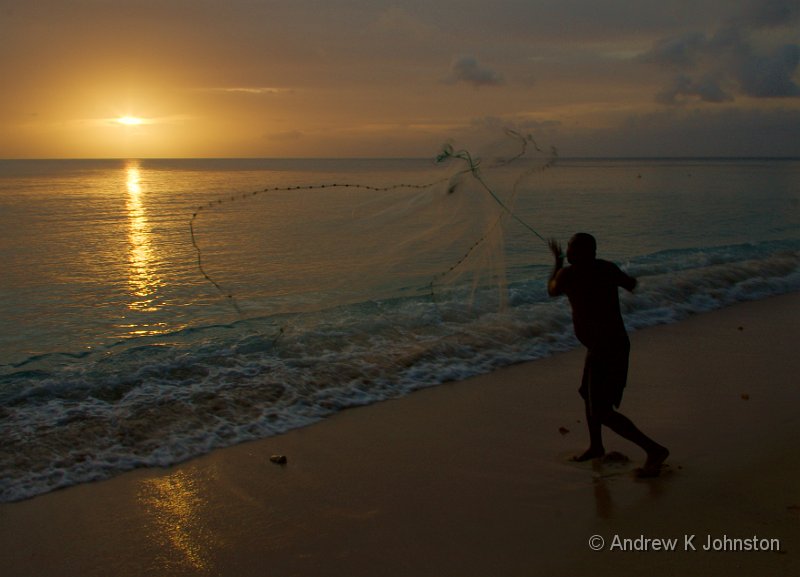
553 285
627 282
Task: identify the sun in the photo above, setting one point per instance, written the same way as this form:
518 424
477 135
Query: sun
130 120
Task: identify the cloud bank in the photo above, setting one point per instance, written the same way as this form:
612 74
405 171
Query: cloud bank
734 60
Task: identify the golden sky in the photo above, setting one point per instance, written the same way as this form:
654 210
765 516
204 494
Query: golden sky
381 78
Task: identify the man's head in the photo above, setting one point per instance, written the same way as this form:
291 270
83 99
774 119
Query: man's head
582 247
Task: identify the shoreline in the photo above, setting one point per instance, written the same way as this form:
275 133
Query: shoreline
473 477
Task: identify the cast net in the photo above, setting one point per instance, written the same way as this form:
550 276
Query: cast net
434 230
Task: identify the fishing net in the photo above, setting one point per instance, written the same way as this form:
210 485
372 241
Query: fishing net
363 237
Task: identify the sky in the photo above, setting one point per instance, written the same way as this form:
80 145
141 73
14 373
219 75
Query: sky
397 78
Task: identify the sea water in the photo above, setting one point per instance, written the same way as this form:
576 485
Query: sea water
153 310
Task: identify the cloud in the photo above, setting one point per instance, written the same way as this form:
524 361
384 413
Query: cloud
771 75
731 61
679 51
768 13
466 69
707 89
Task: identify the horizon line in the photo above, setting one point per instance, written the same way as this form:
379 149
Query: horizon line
374 158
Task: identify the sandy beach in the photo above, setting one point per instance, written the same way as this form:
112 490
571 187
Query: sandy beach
474 479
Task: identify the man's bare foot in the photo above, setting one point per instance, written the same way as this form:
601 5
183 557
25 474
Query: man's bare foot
591 453
652 467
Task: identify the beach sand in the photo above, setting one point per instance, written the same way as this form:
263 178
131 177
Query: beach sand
473 478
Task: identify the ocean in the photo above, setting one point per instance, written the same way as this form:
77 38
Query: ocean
154 310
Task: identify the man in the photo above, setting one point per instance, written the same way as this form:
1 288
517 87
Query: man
591 285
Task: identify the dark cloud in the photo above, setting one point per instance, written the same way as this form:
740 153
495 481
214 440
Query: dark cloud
466 69
707 89
715 67
771 75
767 13
680 51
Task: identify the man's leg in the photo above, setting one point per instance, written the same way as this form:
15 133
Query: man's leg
596 408
624 427
595 422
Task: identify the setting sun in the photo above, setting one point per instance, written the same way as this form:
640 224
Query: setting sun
130 120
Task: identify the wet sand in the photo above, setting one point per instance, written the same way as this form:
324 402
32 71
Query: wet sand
474 479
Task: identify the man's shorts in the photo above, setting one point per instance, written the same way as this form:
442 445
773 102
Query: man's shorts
605 374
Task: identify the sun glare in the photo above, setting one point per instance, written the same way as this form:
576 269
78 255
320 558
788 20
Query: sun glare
130 120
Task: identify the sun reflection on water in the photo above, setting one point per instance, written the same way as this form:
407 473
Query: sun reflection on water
143 281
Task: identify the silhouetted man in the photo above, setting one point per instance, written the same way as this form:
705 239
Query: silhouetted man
591 285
